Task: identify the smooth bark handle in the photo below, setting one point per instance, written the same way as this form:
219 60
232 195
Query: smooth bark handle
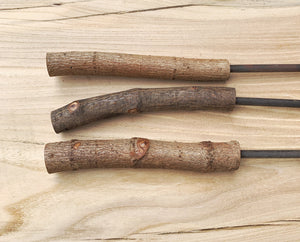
142 153
117 64
88 110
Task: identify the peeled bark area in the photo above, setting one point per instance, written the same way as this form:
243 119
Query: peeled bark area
142 153
129 65
84 111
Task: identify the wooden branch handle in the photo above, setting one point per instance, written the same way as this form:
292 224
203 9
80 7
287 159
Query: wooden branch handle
142 153
117 64
141 100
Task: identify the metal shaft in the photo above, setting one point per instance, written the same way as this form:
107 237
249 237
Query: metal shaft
266 68
267 102
270 153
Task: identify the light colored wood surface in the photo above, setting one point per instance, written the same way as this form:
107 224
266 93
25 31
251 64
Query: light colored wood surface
260 201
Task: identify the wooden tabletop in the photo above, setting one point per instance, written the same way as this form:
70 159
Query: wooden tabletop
260 201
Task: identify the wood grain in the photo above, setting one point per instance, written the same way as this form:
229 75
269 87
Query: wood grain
258 202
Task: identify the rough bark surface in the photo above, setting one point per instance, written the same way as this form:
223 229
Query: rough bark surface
87 110
142 153
129 65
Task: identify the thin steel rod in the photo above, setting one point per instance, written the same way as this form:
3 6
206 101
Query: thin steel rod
268 102
266 68
270 153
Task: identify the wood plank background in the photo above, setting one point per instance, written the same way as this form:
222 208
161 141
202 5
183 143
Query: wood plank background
260 201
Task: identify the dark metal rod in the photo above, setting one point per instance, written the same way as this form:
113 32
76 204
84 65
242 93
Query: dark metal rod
268 102
270 153
266 68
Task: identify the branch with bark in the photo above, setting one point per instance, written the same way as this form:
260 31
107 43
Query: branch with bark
129 65
84 111
142 153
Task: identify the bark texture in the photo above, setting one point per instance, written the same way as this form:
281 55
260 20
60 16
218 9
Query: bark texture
117 64
142 153
87 110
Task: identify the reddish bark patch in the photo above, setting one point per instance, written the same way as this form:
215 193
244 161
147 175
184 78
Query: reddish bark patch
76 145
73 106
139 148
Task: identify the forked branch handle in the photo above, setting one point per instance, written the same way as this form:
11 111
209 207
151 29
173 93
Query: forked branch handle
87 110
129 65
142 153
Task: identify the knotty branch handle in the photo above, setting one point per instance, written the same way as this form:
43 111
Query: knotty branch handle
142 153
117 64
87 110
